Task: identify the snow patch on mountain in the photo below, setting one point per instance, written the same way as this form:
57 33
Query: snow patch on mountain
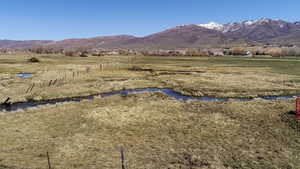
265 20
247 25
212 25
250 22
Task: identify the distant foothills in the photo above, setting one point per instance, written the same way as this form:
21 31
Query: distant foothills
259 33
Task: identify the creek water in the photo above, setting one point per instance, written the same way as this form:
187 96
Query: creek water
25 75
169 92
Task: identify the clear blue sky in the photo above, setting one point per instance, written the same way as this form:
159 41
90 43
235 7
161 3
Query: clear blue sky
60 19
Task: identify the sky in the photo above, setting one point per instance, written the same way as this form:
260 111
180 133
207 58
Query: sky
62 19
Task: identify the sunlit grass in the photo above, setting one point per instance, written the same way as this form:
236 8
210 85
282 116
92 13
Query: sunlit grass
155 130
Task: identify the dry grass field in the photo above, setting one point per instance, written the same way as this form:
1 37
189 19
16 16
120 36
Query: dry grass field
155 130
60 76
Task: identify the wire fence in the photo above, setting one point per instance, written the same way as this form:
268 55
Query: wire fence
48 161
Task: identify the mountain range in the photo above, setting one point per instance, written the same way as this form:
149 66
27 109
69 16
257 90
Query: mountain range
252 32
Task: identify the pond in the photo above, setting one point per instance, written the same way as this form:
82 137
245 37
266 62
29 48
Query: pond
25 75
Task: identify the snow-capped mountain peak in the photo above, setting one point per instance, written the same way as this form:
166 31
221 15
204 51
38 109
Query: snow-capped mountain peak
212 25
265 20
250 22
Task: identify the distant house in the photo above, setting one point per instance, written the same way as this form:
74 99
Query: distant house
248 53
113 53
218 53
181 52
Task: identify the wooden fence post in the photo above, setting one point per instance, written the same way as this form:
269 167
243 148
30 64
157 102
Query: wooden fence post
50 83
48 159
54 81
28 89
32 87
123 158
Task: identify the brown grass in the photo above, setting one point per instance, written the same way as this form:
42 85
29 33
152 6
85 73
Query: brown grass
157 132
75 76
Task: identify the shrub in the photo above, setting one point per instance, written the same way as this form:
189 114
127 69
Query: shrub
83 54
69 53
46 50
275 52
34 60
291 51
238 51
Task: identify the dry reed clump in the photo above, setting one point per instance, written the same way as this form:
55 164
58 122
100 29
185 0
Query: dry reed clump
290 120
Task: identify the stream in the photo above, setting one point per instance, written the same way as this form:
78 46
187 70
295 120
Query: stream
169 92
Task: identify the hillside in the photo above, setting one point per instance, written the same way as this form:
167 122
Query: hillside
262 31
186 36
97 42
22 44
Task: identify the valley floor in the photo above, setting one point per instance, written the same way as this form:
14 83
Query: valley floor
155 130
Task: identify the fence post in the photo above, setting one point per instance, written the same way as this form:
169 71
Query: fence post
298 108
50 83
54 82
32 87
123 158
48 159
28 89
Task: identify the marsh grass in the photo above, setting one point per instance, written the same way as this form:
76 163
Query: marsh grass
155 130
216 76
